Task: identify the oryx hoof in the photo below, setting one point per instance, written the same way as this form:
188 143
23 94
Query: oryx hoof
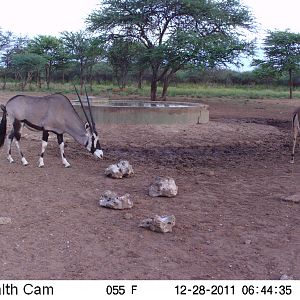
66 163
41 163
10 159
24 161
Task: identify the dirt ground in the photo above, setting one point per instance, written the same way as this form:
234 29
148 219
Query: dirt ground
231 222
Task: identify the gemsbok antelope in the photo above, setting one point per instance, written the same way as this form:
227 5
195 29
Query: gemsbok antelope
295 131
53 113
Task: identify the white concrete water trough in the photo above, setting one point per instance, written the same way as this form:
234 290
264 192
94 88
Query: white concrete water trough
145 112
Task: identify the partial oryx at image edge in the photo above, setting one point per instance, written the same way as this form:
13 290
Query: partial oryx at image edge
295 131
52 113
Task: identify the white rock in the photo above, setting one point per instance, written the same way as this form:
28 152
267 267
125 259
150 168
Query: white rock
163 186
112 200
113 171
125 168
286 277
119 170
159 223
5 220
292 198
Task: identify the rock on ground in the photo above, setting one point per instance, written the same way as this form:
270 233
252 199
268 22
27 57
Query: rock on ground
159 223
112 200
5 220
163 186
119 170
292 198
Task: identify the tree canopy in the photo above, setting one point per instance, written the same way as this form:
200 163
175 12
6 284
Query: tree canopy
282 54
175 32
49 48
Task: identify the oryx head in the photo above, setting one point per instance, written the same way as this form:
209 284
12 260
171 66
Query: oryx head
92 144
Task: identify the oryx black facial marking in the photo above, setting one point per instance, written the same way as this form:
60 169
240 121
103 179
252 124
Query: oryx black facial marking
53 113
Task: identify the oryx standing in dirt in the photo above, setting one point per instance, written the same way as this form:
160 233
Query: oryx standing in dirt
295 131
53 113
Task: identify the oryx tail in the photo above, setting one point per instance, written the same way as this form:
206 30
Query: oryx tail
3 125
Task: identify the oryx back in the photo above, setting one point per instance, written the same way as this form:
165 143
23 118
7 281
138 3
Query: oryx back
52 113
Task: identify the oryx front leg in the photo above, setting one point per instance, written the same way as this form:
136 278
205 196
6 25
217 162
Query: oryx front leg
44 145
62 150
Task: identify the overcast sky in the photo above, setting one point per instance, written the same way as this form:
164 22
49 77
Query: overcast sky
34 17
272 14
40 17
45 17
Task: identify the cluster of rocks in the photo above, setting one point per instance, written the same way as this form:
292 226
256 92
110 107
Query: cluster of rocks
161 187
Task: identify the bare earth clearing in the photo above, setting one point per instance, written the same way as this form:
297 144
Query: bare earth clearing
230 220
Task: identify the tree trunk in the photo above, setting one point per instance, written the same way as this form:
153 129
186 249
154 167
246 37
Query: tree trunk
153 89
291 83
81 77
166 83
140 80
38 80
47 72
154 81
5 80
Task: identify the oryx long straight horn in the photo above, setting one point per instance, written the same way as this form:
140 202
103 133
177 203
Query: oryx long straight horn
83 109
90 109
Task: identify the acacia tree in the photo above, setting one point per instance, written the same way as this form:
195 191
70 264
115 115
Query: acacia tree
282 54
94 53
49 48
210 51
5 41
159 24
121 55
84 49
26 66
14 45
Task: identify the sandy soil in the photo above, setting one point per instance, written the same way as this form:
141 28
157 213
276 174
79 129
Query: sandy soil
230 220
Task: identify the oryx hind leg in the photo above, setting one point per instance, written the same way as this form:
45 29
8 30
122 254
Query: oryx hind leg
16 134
10 138
61 144
44 145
